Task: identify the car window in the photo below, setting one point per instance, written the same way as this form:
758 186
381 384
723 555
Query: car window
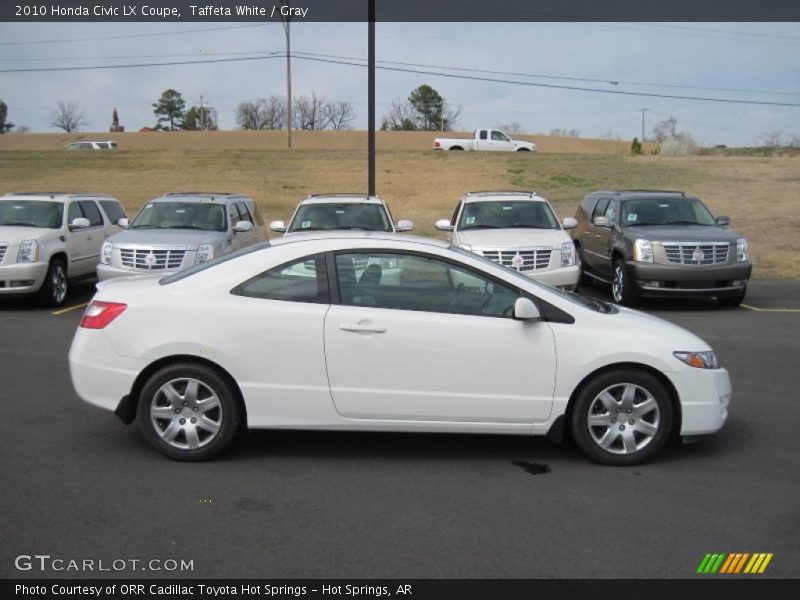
455 214
483 134
420 283
30 213
92 213
114 210
181 215
600 208
611 211
499 136
303 280
519 214
341 215
666 211
74 212
244 213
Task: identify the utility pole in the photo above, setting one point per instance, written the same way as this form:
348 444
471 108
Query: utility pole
286 23
202 115
644 110
371 98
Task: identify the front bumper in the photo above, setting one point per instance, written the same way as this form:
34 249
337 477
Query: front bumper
105 272
682 280
563 277
22 278
705 396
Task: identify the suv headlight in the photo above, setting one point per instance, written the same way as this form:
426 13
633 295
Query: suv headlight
105 253
700 360
28 251
643 251
567 254
741 250
204 252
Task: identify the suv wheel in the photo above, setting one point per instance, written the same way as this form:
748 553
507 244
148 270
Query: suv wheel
188 412
623 285
584 280
54 288
622 417
732 301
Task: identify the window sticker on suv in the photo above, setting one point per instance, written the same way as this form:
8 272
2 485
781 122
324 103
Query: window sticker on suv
632 217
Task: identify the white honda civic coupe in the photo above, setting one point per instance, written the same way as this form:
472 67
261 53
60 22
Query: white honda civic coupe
376 332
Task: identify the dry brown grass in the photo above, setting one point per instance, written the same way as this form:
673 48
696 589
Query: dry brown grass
761 195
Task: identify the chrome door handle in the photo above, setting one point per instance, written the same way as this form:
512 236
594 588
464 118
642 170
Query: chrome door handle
361 328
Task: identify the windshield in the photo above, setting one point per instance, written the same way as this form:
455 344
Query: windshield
665 211
342 215
506 215
31 213
181 215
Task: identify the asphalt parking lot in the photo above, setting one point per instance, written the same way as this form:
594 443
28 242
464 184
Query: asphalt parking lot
75 483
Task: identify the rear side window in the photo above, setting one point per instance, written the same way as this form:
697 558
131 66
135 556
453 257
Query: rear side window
303 280
483 134
92 213
114 210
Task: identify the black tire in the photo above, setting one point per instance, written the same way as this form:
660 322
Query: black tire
456 148
584 280
623 285
190 442
523 150
55 287
732 301
643 445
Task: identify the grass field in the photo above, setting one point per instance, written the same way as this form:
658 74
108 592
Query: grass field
761 195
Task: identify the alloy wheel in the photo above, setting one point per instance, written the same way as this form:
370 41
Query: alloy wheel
618 283
58 283
186 413
623 418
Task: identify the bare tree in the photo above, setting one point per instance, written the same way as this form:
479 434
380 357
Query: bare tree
263 113
450 115
339 115
668 128
794 141
772 139
309 112
511 128
68 116
610 135
561 132
401 116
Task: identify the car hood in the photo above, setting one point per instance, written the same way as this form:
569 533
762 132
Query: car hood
14 235
512 238
656 328
166 237
683 233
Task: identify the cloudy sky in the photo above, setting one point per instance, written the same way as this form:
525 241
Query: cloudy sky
735 61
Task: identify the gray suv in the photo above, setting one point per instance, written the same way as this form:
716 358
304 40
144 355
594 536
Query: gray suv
659 243
179 230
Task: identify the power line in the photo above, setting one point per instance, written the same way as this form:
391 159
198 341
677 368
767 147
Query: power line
139 65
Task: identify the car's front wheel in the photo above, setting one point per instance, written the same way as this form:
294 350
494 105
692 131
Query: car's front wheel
623 285
189 412
732 301
54 288
622 417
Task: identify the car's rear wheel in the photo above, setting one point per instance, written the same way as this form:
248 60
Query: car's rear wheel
622 417
189 412
54 288
623 285
732 301
456 148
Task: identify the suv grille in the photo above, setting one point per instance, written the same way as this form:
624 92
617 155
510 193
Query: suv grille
152 259
3 248
708 253
532 259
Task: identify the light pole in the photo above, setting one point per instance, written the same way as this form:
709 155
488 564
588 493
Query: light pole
285 21
644 110
371 98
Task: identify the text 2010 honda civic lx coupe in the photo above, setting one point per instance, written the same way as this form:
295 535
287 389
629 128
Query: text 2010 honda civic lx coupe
371 331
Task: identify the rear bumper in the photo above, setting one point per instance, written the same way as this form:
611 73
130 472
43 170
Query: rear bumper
22 278
669 280
705 396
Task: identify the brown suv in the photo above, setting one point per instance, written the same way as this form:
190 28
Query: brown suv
659 243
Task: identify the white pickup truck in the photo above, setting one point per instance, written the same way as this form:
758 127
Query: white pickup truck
485 139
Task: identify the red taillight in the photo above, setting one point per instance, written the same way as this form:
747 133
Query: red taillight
99 314
436 143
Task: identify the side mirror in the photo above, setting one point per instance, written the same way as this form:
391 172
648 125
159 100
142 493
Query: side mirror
242 227
404 225
569 223
277 226
602 222
79 223
444 225
723 221
123 223
526 310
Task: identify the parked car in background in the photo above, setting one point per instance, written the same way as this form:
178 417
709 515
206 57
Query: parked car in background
491 140
179 230
331 212
660 243
48 239
518 230
86 145
305 332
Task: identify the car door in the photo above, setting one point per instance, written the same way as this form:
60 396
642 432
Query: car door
246 238
482 140
414 337
500 142
232 241
96 234
78 243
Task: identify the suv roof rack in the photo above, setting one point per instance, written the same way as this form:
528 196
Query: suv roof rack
530 193
201 194
343 195
646 191
51 194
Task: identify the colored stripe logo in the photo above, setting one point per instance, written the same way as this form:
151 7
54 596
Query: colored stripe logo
734 563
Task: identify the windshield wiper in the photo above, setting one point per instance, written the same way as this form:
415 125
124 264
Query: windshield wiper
523 226
18 224
480 227
684 222
145 227
301 230
187 227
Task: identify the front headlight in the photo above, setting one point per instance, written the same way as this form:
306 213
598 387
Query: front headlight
204 252
105 253
741 250
567 254
643 251
28 251
700 360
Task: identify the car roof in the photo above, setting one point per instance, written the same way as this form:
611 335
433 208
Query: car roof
57 196
502 196
357 235
342 199
200 197
643 193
